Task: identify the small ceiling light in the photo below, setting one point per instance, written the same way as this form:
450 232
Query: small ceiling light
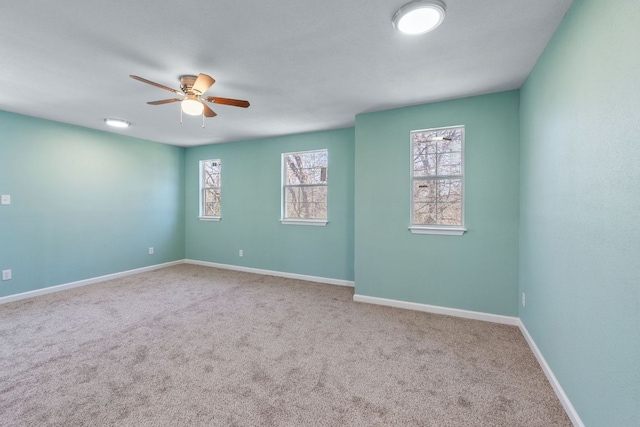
419 16
191 106
117 123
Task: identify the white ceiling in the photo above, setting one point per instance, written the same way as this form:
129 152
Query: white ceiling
304 65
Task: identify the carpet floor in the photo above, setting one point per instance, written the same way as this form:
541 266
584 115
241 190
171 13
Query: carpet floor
197 346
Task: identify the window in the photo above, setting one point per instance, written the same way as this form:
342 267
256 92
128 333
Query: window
210 189
437 181
304 187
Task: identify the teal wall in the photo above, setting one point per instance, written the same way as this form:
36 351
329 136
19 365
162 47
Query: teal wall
477 271
84 203
580 209
251 177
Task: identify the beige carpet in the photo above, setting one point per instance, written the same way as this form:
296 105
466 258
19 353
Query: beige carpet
197 346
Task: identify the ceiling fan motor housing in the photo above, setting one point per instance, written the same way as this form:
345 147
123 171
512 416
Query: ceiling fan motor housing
186 83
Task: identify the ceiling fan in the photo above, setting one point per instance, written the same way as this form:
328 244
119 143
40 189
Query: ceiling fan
192 99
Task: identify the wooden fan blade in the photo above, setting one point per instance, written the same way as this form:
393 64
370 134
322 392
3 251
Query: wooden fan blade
208 112
202 83
149 82
228 101
164 101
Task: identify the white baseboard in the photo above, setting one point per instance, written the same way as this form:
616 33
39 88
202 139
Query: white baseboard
555 384
327 280
476 315
62 287
65 286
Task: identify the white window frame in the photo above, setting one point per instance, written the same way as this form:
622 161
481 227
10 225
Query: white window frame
201 199
284 186
451 230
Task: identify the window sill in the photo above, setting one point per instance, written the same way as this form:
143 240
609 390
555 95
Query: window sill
316 222
209 218
449 231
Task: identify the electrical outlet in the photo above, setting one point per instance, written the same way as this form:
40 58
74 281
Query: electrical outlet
240 252
150 251
5 199
524 299
6 274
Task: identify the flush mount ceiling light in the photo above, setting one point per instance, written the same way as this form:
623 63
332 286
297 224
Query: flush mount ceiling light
419 16
117 123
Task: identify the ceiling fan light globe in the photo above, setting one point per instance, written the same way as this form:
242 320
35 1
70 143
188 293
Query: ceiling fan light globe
192 107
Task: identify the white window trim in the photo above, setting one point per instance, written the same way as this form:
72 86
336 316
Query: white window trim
316 222
431 229
202 217
300 221
209 218
434 229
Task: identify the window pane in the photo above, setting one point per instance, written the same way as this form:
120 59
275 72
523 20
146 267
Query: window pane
293 175
424 165
316 175
450 213
444 161
455 163
320 194
424 213
424 191
212 209
450 164
444 145
455 145
211 200
449 190
311 194
448 140
211 195
292 195
306 202
304 210
211 173
321 210
419 166
306 194
291 210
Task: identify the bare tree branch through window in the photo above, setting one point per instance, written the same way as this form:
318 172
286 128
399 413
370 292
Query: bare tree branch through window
305 185
437 176
210 185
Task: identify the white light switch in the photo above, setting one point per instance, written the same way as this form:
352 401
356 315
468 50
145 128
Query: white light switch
6 274
5 199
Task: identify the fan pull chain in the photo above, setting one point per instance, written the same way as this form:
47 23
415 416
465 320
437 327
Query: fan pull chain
180 115
203 119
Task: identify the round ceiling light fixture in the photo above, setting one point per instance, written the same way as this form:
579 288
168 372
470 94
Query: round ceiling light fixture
419 16
191 106
117 123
